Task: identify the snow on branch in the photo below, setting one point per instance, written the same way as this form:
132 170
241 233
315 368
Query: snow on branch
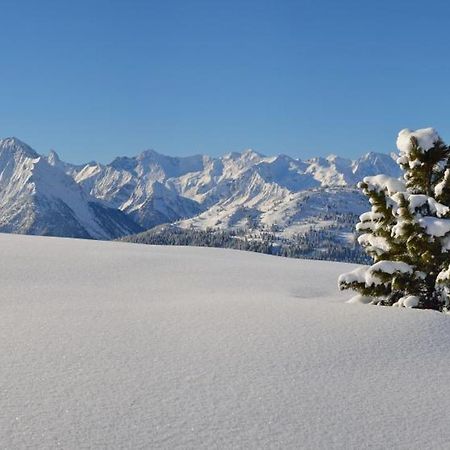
434 226
383 183
369 275
425 137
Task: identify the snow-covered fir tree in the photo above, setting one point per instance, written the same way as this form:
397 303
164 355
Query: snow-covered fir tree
407 230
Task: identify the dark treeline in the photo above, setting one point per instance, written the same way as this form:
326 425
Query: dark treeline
322 244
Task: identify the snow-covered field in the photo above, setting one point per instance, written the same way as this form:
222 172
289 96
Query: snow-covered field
111 345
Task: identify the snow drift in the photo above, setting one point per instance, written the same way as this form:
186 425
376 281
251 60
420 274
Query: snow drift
112 345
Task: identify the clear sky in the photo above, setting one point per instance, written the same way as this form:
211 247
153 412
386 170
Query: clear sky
98 78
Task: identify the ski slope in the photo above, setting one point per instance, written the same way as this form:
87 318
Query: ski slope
120 346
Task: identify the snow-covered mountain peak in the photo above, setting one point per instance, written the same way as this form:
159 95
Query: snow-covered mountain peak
37 197
236 163
281 159
124 163
245 155
152 188
374 157
53 158
148 154
331 158
158 166
12 145
338 163
373 162
249 153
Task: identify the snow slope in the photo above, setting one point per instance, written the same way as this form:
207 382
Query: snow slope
44 195
224 192
37 197
113 345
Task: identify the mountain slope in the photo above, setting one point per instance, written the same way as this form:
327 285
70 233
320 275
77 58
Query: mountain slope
44 195
187 348
136 186
225 192
38 198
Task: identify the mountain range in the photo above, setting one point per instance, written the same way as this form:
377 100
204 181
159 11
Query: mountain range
40 194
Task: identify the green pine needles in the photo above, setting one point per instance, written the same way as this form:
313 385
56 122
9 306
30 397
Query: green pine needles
407 230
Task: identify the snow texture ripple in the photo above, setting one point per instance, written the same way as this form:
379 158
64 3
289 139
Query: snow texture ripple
110 345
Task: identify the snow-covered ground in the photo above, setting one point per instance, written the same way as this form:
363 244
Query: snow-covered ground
112 345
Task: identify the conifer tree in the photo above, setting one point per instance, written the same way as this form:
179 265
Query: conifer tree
407 230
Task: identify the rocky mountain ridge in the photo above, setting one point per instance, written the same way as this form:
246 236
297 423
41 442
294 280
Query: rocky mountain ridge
44 195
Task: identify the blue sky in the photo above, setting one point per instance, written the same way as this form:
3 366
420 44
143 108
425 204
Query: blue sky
100 78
